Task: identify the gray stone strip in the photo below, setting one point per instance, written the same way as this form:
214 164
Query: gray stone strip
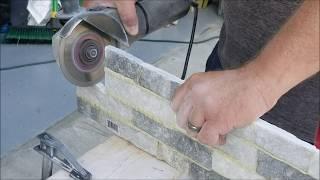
124 111
268 137
240 150
197 172
282 145
137 137
145 75
164 152
314 166
143 100
275 169
177 140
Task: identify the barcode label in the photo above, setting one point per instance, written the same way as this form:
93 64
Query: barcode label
112 125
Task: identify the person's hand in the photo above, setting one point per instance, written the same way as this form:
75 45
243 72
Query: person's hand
126 10
220 101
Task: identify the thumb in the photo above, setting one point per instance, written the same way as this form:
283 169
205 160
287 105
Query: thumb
128 15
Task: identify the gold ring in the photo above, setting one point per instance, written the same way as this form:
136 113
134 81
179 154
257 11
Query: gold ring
193 127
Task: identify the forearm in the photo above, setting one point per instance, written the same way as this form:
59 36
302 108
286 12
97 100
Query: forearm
292 55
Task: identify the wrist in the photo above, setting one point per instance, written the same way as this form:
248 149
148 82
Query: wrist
265 83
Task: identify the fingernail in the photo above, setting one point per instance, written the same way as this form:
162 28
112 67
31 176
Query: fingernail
132 30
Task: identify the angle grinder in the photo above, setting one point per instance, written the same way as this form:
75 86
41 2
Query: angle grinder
79 45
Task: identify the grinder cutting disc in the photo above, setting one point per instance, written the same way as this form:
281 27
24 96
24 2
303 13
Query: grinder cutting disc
82 60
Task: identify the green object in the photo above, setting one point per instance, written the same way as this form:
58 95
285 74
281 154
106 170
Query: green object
29 34
81 2
54 8
35 34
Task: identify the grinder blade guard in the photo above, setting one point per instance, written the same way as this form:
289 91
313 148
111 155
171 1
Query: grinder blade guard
79 45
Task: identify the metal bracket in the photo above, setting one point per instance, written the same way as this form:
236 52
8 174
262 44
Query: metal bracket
54 151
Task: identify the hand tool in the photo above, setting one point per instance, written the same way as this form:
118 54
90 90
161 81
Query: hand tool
79 46
54 151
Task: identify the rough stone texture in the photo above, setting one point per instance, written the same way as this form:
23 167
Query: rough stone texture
231 168
94 93
134 136
272 168
197 172
143 100
248 132
240 150
102 102
173 158
182 143
314 166
284 145
281 145
147 76
136 98
81 105
169 152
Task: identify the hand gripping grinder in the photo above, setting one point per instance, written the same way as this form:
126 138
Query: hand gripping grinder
79 45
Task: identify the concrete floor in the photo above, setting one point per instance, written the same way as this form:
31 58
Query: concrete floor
77 133
38 97
32 98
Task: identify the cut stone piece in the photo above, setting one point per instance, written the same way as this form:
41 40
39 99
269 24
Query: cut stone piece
82 105
146 75
141 139
143 91
177 140
165 152
232 169
173 158
132 135
102 102
284 145
197 172
129 93
314 166
273 168
244 152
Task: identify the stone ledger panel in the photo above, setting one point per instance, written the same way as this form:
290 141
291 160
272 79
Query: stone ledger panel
135 104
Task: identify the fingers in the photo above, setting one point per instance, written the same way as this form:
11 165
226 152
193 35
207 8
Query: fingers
183 113
196 118
128 15
178 97
182 91
210 134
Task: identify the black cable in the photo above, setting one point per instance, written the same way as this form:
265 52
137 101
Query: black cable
179 42
144 40
186 62
26 65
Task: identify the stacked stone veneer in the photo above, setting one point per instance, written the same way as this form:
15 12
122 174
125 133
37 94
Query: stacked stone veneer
134 103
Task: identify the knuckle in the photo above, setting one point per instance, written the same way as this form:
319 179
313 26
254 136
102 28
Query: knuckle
195 77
